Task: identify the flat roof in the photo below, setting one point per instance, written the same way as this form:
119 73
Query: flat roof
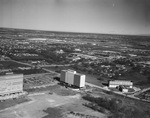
69 70
11 76
79 74
120 81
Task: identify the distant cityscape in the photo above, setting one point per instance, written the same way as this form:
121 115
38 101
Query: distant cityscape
116 66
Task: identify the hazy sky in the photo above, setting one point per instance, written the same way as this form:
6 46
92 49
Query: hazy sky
97 16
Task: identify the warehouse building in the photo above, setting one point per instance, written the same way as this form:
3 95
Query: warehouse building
117 83
71 77
11 84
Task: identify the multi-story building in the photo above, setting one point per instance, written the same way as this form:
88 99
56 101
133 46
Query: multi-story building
73 78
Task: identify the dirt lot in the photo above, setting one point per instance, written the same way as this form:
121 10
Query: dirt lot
35 80
42 105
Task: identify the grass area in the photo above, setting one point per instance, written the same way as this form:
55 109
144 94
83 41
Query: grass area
59 68
53 89
22 57
48 88
10 65
12 102
53 113
13 66
143 83
31 81
116 107
141 106
28 72
64 92
144 95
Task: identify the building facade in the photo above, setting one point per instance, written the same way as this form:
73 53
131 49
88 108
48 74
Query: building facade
12 83
117 83
70 77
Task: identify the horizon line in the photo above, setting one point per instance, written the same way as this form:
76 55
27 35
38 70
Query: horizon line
77 32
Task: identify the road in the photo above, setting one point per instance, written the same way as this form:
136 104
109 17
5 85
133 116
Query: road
54 65
141 91
50 71
93 85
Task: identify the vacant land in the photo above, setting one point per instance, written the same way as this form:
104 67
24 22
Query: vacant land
56 101
42 105
13 102
37 80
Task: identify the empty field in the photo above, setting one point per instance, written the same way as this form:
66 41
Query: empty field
48 106
35 80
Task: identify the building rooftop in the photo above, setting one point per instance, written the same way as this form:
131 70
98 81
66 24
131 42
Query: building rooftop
11 76
120 81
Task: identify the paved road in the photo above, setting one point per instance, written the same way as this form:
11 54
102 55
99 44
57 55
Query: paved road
93 85
55 65
50 71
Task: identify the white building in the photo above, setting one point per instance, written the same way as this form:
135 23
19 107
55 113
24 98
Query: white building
73 78
79 80
117 83
11 84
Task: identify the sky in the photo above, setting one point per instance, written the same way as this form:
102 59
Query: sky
93 16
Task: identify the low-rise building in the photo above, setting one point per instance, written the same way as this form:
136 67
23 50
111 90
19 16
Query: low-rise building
117 83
